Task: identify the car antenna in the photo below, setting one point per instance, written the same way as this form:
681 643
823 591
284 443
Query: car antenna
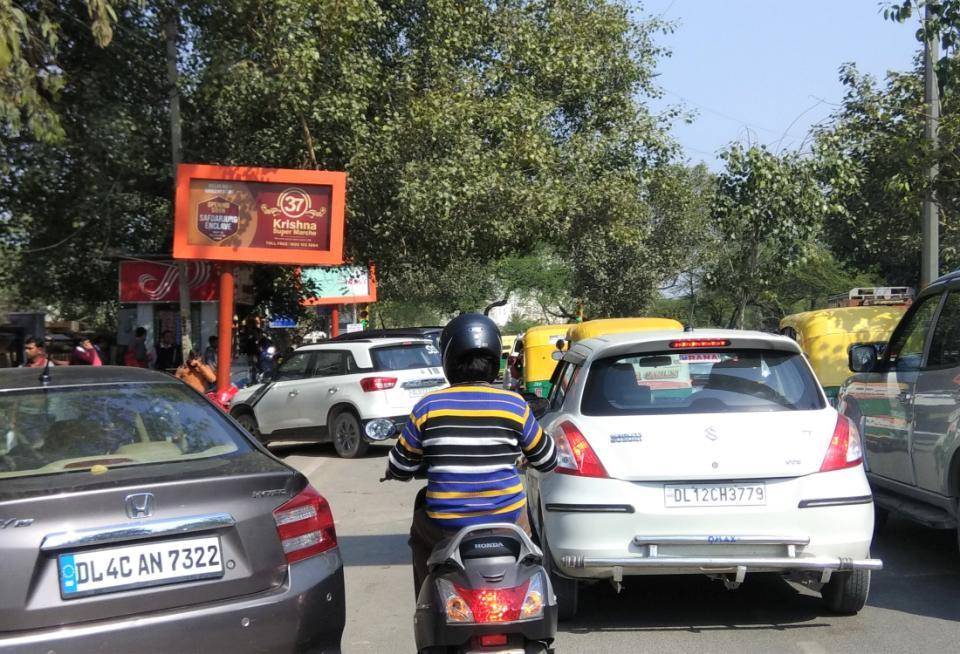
688 327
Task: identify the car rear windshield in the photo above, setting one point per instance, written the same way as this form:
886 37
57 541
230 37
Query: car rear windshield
719 381
60 430
405 356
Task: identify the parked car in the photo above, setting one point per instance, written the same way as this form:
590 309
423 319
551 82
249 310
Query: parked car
430 333
905 402
341 391
703 452
136 516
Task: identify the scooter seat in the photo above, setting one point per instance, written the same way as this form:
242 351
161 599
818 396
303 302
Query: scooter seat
484 547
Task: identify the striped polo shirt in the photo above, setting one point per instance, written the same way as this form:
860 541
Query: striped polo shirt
468 437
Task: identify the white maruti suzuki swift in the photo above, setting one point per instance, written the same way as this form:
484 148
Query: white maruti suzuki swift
708 452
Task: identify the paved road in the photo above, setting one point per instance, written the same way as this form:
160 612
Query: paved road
914 603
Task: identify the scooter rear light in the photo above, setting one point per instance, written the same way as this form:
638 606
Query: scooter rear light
494 604
491 640
532 606
454 605
491 605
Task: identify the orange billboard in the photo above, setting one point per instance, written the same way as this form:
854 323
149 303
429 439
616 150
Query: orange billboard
259 215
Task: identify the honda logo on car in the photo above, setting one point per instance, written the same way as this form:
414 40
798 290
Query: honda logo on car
140 505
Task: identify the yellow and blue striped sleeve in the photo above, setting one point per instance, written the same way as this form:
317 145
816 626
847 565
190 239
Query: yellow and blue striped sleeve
539 448
406 457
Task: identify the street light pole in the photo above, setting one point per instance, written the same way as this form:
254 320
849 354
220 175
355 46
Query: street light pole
930 258
170 32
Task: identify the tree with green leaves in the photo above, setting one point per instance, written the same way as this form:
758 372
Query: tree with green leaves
31 75
767 211
472 131
872 161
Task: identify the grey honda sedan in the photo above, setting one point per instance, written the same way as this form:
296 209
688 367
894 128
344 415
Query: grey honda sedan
137 517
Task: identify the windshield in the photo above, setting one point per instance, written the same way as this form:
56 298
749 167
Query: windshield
405 356
721 381
63 430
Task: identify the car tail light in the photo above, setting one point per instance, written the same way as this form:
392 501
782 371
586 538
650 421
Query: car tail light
845 449
305 525
688 343
369 384
575 455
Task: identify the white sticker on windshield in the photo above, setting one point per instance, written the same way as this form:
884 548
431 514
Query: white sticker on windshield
431 349
701 357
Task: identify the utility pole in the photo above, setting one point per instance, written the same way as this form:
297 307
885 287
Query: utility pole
930 259
176 148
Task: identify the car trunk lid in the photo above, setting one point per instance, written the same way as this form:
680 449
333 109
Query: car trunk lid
723 446
225 500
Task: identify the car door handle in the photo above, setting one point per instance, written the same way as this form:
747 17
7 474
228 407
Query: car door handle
293 393
333 390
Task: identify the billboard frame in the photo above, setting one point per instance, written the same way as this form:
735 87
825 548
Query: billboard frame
337 181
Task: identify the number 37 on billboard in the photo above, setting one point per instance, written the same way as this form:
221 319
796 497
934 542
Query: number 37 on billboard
259 215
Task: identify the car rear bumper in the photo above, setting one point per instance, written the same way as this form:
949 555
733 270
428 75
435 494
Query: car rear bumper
606 528
306 614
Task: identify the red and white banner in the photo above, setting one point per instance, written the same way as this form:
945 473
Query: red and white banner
142 281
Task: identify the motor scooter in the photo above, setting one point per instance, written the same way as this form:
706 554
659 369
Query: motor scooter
486 593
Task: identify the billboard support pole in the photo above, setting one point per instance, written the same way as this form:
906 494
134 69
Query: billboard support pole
225 328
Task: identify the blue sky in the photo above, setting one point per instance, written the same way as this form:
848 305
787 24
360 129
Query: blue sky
766 70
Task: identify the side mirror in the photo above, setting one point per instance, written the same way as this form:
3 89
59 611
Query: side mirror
862 358
539 406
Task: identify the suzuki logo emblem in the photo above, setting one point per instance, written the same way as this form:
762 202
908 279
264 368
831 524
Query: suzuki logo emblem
140 505
711 433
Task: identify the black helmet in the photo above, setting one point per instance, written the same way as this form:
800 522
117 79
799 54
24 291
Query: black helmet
470 349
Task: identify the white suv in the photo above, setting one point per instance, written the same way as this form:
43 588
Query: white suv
341 392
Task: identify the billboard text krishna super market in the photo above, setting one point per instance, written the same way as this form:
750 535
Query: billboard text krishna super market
259 215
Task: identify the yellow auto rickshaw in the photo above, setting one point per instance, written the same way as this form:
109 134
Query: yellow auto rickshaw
607 326
506 347
533 362
825 336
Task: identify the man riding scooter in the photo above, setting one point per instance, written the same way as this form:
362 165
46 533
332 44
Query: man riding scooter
467 438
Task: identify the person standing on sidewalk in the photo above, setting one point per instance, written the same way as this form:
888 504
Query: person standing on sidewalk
35 352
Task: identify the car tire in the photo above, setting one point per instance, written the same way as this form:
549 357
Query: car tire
249 422
846 592
347 436
567 590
